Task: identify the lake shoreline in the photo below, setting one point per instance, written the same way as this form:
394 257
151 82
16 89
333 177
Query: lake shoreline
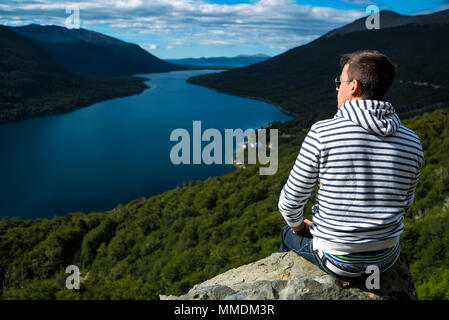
138 87
71 142
282 109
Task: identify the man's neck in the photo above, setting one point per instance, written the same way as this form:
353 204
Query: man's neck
352 98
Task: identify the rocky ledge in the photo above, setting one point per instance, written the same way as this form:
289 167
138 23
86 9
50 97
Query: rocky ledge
287 276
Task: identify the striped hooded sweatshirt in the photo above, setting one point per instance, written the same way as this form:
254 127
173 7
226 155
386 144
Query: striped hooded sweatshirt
367 166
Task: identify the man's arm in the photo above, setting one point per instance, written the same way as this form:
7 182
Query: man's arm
301 182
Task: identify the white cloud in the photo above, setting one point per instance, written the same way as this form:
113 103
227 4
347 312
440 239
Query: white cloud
441 7
275 23
367 2
128 3
149 46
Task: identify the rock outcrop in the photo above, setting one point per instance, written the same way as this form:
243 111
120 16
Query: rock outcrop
287 276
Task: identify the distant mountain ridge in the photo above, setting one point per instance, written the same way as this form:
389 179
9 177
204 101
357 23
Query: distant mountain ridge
58 34
238 61
301 80
32 84
91 53
259 55
391 19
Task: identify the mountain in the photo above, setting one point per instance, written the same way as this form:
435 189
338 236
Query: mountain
258 55
237 61
91 53
390 19
32 84
301 80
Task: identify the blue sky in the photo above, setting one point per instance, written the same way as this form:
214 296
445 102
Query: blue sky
196 28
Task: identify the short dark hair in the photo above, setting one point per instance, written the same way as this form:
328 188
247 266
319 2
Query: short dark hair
374 71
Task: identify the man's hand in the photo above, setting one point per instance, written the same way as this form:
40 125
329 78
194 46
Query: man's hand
305 224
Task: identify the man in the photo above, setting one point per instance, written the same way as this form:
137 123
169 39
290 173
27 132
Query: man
367 166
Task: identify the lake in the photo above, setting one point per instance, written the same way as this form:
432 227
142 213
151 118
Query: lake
112 152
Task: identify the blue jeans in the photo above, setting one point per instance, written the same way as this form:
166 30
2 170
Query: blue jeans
302 244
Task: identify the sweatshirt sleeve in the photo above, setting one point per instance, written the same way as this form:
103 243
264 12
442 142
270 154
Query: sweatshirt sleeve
302 180
414 184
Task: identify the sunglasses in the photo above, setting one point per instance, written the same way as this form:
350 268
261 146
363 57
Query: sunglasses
338 82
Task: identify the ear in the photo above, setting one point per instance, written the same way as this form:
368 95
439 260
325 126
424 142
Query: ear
355 88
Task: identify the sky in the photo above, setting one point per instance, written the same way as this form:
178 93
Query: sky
172 29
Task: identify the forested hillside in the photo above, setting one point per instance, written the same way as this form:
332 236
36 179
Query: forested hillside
91 53
169 242
32 84
301 80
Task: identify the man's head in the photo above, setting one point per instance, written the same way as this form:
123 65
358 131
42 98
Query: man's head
365 75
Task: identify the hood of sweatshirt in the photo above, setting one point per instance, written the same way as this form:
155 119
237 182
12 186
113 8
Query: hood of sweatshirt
378 117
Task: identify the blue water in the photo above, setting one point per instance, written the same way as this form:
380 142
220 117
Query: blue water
115 151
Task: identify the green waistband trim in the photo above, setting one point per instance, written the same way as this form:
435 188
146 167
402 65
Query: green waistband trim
370 259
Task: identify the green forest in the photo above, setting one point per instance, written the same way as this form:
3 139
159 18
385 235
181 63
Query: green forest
32 84
301 80
166 243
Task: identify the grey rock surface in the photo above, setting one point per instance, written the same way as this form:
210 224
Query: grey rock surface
287 276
